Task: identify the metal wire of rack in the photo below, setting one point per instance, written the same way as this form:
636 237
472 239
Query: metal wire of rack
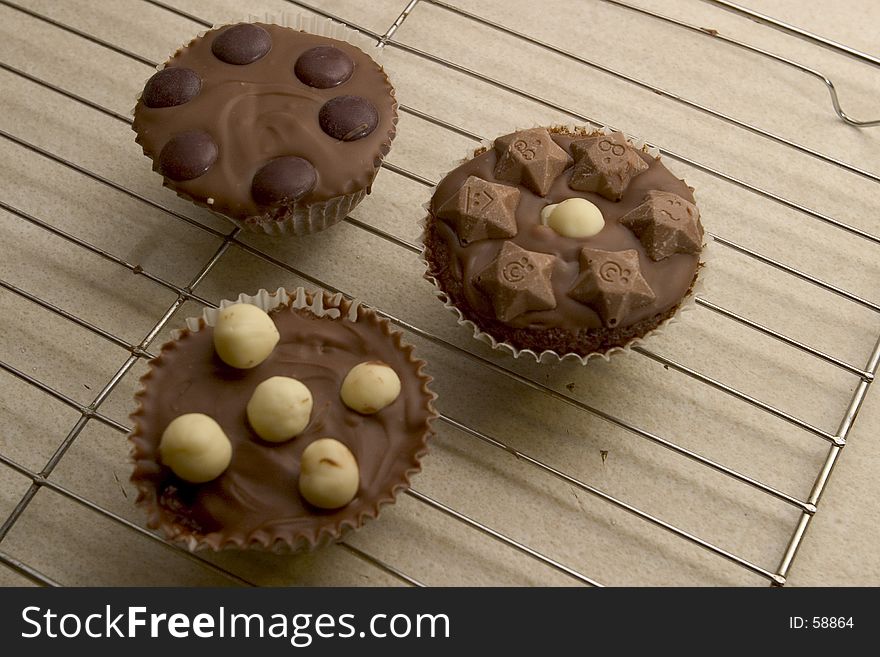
140 350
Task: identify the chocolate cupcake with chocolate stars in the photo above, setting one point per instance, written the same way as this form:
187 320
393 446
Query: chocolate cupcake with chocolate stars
562 242
278 422
279 130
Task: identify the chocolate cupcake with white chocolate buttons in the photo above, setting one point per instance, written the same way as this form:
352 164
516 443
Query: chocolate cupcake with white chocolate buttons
562 242
279 130
278 422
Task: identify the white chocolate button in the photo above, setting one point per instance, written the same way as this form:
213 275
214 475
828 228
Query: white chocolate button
195 448
244 335
574 217
280 408
370 387
328 474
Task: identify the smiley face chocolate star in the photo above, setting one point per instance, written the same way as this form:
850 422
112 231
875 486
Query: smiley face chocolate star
518 281
481 210
530 158
612 284
666 224
605 164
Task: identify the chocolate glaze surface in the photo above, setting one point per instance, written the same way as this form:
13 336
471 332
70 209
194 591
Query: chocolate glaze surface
257 499
456 265
260 111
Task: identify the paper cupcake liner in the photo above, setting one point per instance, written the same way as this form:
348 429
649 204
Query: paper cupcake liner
321 304
303 218
687 303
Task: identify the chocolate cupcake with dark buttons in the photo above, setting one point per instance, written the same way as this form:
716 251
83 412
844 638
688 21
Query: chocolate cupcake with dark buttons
279 130
560 242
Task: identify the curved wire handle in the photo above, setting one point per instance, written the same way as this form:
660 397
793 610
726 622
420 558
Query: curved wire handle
798 32
835 101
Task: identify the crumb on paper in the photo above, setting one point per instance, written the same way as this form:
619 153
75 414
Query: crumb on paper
121 487
666 367
578 500
710 30
137 269
570 386
604 454
87 386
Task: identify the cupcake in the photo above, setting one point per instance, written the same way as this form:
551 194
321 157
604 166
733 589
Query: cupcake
563 242
279 130
278 422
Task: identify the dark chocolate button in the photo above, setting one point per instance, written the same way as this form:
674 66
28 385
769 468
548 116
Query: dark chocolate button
241 44
323 67
348 117
188 155
283 180
172 86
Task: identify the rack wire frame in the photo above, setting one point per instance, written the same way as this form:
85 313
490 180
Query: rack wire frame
138 351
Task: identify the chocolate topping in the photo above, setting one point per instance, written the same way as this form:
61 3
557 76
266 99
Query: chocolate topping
605 164
283 180
257 499
172 86
531 158
188 155
666 224
612 283
324 67
241 44
481 210
262 111
348 117
568 324
518 281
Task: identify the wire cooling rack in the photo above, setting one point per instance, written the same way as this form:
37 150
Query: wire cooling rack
855 385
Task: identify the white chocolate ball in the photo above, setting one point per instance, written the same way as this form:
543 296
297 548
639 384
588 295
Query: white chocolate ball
195 448
574 217
244 335
328 474
370 387
280 408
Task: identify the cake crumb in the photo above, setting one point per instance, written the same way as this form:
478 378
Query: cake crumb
604 454
578 500
137 269
570 386
121 487
710 30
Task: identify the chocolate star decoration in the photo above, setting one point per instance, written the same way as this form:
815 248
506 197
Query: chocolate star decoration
518 281
666 224
530 158
605 164
612 284
481 210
